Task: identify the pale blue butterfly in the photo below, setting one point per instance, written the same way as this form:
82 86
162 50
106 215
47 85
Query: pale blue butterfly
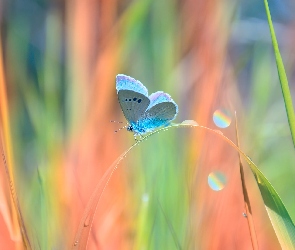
144 113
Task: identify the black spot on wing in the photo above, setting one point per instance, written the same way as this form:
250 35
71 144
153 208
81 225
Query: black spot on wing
133 110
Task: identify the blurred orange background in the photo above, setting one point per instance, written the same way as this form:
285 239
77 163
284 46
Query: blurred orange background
58 65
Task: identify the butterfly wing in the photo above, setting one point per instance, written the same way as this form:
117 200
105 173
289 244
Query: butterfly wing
161 111
145 113
133 104
133 97
124 82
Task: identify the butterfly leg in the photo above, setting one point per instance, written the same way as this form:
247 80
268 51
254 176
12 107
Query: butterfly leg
140 136
135 136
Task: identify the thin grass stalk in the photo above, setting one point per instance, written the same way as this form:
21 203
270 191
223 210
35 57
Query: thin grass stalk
6 149
282 75
83 232
247 204
17 212
5 127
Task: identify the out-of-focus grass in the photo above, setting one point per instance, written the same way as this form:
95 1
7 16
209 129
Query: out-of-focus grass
11 213
60 66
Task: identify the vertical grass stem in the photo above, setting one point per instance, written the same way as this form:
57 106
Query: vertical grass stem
282 75
246 197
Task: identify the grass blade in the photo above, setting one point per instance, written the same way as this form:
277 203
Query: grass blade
277 212
6 149
246 197
282 75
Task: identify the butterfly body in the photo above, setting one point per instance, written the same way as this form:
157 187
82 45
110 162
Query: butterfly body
144 113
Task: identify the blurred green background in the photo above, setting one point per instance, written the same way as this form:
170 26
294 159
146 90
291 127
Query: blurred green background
59 62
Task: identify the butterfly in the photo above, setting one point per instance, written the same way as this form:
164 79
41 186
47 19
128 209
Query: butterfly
144 113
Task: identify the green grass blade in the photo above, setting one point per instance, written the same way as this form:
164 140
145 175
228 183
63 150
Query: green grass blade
282 75
277 212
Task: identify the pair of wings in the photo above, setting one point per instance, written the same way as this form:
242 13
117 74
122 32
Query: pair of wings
154 110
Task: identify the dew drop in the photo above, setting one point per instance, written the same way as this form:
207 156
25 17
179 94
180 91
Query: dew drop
190 122
222 118
87 221
216 180
245 215
218 131
76 243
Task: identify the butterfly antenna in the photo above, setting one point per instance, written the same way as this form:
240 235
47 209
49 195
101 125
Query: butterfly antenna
121 128
116 121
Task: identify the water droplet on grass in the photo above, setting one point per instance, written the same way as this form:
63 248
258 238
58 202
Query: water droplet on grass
222 118
189 122
216 180
87 221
